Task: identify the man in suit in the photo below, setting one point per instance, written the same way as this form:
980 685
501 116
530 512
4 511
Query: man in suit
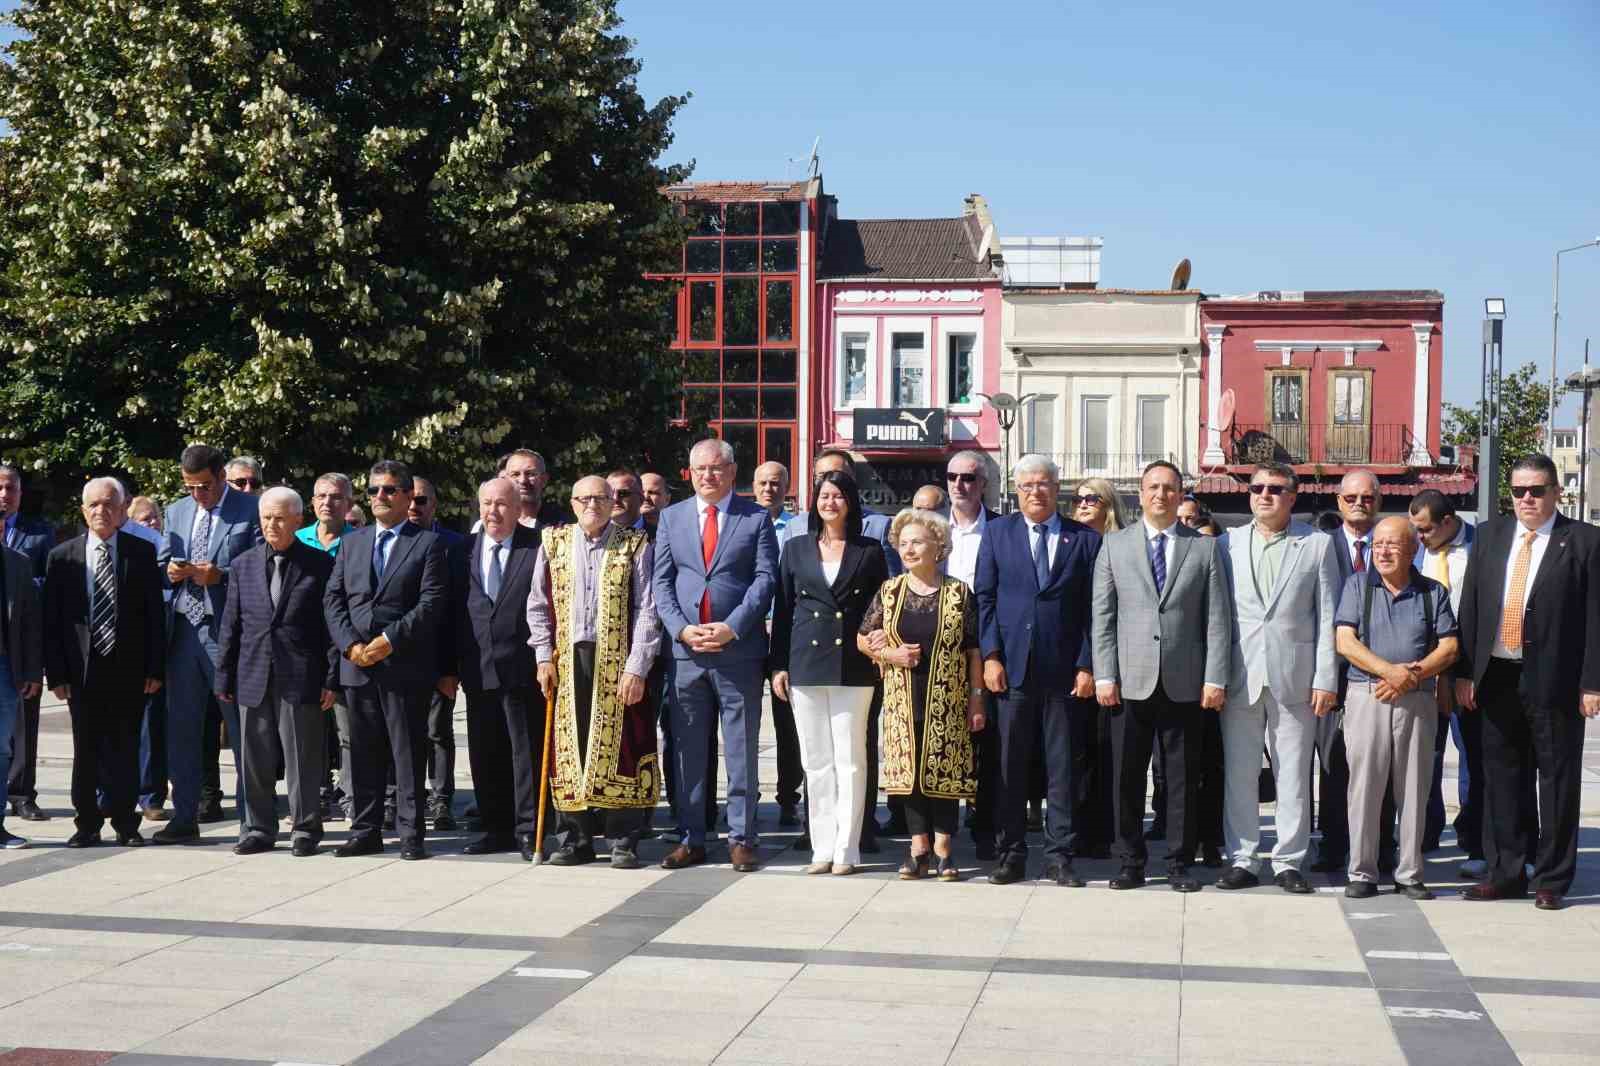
1162 643
1530 664
277 666
441 709
103 654
491 573
770 484
386 604
205 531
1284 672
1034 583
715 574
34 538
21 658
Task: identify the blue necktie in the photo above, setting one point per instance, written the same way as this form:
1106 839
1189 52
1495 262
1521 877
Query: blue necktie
1041 555
1158 560
379 559
491 583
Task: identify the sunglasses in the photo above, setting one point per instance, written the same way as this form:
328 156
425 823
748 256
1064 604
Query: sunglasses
1088 499
624 494
245 482
965 479
1277 490
1353 498
383 490
1536 491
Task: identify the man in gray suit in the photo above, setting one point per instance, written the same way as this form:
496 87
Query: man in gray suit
1162 626
1283 579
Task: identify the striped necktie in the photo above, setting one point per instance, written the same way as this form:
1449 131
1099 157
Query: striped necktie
103 615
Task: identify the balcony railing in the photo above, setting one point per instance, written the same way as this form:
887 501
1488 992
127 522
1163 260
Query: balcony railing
1332 444
1117 466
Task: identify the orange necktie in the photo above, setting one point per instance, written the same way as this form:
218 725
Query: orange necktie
1517 598
708 549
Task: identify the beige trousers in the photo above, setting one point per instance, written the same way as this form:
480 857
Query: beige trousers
1388 742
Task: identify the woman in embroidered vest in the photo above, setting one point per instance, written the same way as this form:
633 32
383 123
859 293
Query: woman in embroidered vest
922 628
826 579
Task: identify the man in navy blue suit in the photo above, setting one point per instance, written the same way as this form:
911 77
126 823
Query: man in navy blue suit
715 572
34 538
1035 581
385 606
277 667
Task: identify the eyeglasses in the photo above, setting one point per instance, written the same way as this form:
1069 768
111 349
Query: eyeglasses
1276 490
420 501
1354 498
714 470
245 482
591 501
1536 491
1088 499
965 479
382 490
1034 487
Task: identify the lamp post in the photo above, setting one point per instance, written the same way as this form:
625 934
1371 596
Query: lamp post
1587 381
1494 314
1555 326
1005 408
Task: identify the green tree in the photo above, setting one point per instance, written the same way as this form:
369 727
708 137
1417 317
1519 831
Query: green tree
325 232
1523 406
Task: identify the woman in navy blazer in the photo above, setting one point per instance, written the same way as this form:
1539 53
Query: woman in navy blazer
826 579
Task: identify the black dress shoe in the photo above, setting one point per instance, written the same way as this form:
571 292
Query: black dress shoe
788 815
1236 877
211 811
130 840
1360 890
175 833
302 847
1414 890
1330 864
571 855
252 845
1063 874
83 840
1007 873
1210 856
1291 881
527 846
29 811
488 844
371 844
1130 877
413 851
1179 879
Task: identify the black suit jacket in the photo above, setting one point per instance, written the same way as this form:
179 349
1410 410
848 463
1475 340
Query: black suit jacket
408 605
1561 623
34 538
814 622
490 647
286 647
24 618
140 648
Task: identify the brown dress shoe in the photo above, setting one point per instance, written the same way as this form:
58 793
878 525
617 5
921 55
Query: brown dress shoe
683 855
744 858
1489 891
1548 900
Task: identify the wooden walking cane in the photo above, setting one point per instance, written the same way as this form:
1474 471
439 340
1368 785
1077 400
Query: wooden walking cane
544 781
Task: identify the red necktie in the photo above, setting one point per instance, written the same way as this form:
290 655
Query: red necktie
708 549
1361 557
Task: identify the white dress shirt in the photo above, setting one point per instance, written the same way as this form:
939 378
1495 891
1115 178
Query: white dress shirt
1052 537
211 540
721 506
1151 533
1540 543
91 558
485 554
964 544
1351 539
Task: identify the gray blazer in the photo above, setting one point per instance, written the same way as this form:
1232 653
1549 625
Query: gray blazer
1284 644
1181 637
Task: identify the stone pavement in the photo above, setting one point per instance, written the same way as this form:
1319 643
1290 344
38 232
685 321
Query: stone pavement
170 956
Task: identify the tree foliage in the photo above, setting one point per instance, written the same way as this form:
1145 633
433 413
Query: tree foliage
1524 404
324 232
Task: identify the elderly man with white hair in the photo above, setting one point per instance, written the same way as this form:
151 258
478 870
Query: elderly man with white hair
103 653
278 666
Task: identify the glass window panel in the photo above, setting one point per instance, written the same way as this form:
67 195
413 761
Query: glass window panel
780 220
702 405
1096 430
908 370
780 311
1349 398
704 257
738 364
1152 428
702 310
779 257
778 445
743 439
700 366
958 369
853 388
742 220
740 257
777 364
706 220
739 311
738 403
777 403
1286 398
1042 425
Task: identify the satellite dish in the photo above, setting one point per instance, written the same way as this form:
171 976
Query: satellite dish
1225 410
1180 275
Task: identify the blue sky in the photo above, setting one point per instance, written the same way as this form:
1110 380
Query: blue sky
1279 146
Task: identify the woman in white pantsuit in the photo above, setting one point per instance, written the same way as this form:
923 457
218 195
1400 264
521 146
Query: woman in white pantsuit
826 579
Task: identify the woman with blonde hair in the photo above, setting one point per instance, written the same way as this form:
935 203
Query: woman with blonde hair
1098 506
922 628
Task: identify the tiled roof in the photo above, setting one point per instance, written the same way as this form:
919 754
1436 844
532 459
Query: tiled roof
731 191
905 249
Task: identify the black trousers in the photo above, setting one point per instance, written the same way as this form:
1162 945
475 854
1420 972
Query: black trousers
791 773
579 828
211 750
986 753
22 782
1519 740
505 734
869 806
925 814
1333 809
388 722
105 751
1208 787
1096 820
442 746
1135 725
1040 727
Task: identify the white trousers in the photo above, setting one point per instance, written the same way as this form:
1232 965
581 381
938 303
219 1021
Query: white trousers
832 723
1290 736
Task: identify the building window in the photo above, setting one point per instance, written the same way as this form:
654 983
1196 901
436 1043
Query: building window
908 368
1152 428
1288 398
1096 432
1349 399
1349 431
1041 426
855 378
959 372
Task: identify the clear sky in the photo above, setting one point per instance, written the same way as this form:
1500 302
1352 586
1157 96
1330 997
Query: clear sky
1420 144
1452 146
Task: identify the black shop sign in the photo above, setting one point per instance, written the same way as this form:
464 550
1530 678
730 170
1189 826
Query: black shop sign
878 428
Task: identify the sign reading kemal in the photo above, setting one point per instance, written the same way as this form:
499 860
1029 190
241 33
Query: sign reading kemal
899 427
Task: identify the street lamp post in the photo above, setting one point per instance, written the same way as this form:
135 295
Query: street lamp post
1494 311
1555 329
1588 382
1005 408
